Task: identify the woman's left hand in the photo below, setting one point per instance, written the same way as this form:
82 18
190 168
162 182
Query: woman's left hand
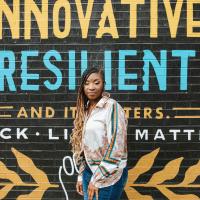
91 191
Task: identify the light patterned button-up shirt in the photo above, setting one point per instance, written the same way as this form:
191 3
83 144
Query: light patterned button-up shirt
104 142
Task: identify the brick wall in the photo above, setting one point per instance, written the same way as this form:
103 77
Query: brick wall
47 139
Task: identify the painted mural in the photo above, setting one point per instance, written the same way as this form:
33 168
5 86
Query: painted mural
150 54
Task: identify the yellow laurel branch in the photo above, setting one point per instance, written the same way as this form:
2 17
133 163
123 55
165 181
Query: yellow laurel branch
191 174
133 194
35 194
10 175
5 173
4 190
142 166
27 165
172 196
169 172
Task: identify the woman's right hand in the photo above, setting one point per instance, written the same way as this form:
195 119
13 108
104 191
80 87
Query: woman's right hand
79 187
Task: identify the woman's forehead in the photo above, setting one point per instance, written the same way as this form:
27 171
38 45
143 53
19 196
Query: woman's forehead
94 76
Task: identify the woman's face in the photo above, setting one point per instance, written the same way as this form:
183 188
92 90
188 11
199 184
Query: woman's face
93 86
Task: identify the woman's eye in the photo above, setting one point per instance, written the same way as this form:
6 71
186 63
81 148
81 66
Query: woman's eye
94 83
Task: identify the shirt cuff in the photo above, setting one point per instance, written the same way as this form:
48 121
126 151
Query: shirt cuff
95 183
80 178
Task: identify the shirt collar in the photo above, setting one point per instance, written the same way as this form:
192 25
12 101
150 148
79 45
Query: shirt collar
102 101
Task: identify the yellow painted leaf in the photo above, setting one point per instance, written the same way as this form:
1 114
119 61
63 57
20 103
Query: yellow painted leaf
133 194
192 173
4 190
143 165
172 196
5 173
35 194
26 164
169 172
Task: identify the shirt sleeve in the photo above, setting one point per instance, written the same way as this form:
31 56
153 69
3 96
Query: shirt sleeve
116 126
81 169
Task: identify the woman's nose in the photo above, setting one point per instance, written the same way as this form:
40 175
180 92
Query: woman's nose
91 86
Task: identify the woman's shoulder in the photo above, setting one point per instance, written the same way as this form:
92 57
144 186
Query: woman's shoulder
112 102
119 109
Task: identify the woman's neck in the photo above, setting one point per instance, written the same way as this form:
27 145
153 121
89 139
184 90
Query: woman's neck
93 102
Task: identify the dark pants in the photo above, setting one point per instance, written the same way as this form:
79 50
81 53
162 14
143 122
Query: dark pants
112 192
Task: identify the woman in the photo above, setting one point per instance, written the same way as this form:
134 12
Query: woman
99 140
